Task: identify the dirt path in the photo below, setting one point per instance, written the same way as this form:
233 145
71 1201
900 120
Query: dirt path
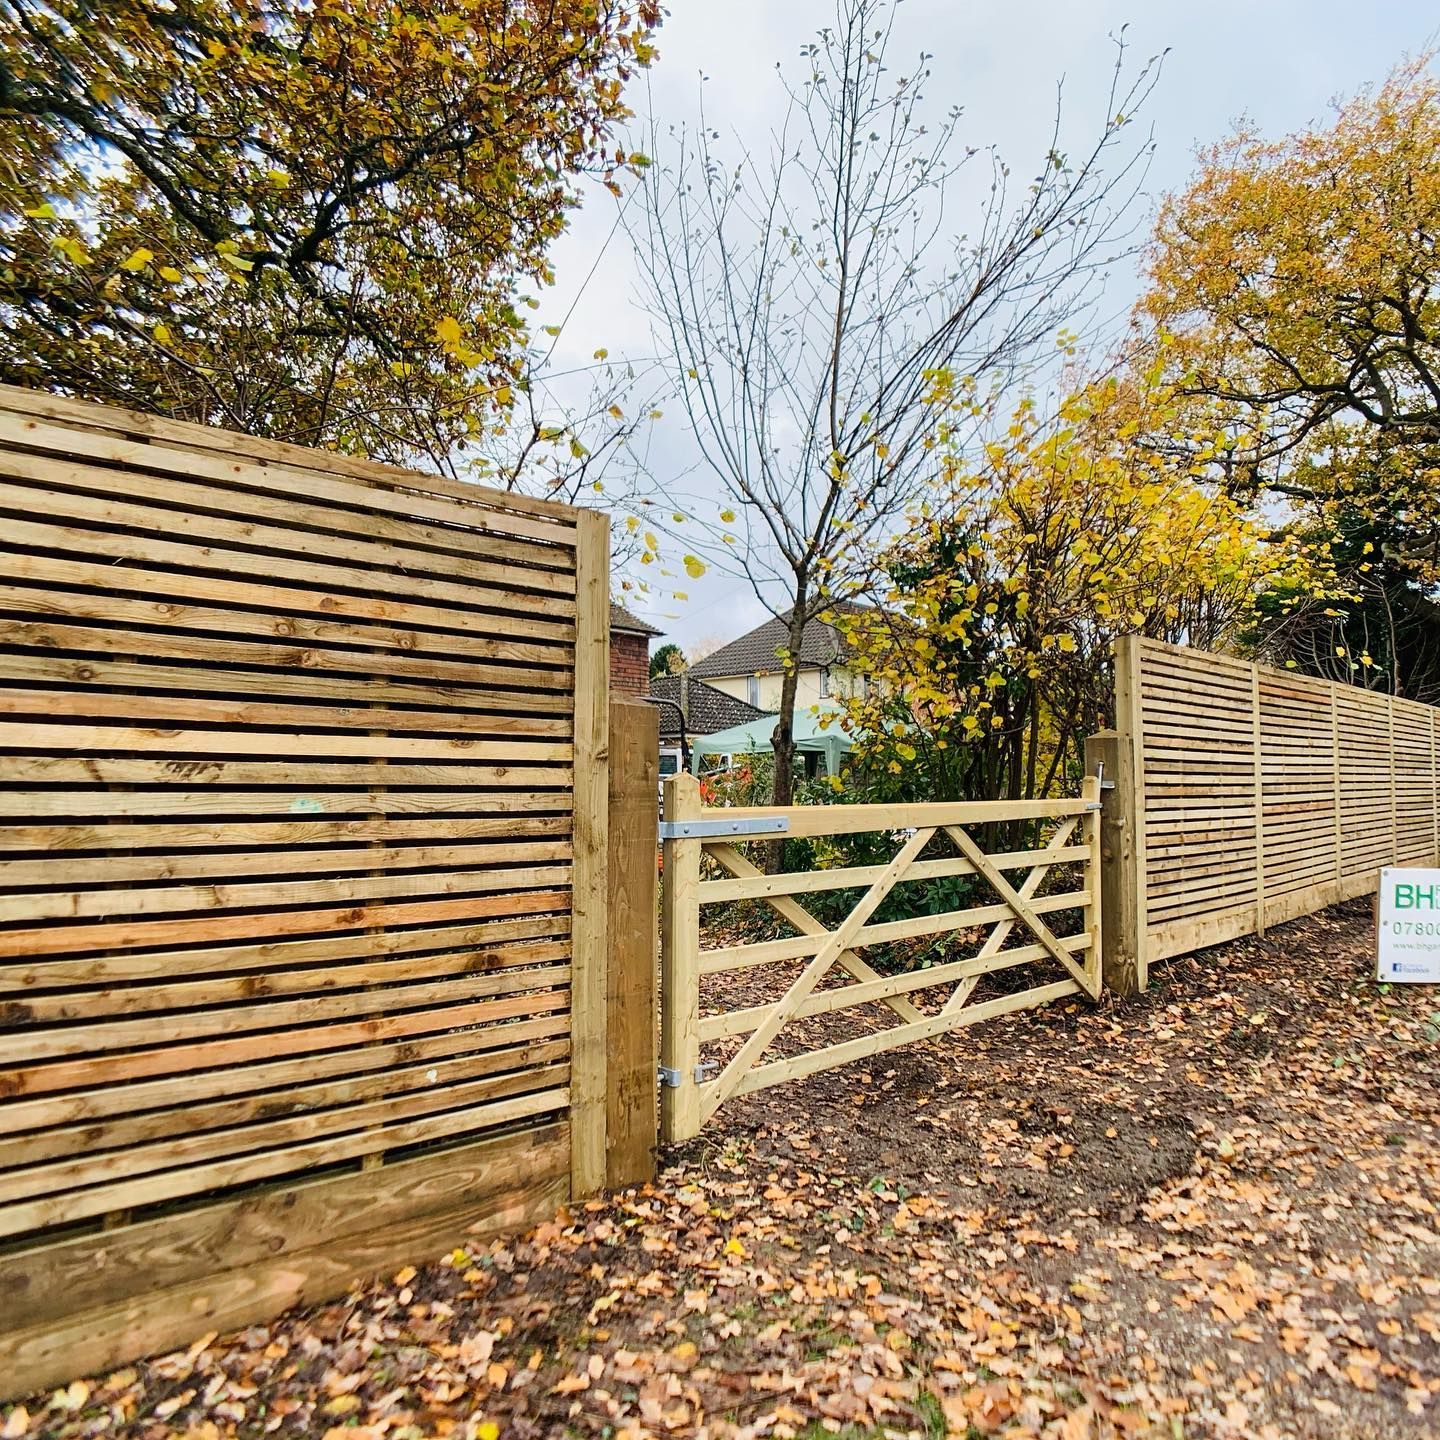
1211 1212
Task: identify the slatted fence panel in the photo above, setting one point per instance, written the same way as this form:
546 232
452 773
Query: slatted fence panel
1265 795
288 818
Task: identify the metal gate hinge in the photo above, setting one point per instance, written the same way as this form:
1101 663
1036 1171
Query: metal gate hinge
705 1070
713 829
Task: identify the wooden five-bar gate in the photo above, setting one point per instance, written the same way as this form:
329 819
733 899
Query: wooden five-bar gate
1008 927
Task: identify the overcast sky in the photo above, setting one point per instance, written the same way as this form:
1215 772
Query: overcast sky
1280 62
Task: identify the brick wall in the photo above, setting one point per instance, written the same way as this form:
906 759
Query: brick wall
629 663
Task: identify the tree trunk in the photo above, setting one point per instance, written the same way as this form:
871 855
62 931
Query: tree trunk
783 740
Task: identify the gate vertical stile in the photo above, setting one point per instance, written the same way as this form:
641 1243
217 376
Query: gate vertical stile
680 966
1094 910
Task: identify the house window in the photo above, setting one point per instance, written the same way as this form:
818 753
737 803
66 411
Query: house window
824 684
753 688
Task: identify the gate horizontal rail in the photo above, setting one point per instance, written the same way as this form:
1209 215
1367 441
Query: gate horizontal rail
695 1086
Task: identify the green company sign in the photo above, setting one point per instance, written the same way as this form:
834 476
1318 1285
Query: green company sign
1408 932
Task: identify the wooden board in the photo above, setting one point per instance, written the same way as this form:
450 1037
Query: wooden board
89 1304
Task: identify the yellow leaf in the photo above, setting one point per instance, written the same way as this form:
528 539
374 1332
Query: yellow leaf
72 250
447 331
162 333
170 273
728 516
42 212
694 567
137 259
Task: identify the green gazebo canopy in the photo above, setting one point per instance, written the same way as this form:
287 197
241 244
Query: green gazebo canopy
753 738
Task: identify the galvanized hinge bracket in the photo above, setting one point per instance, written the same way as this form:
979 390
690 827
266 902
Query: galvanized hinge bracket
705 1070
716 829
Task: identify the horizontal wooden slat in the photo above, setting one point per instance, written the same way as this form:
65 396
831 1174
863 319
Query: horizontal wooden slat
287 893
16 1219
181 710
180 799
91 430
140 934
74 868
182 614
105 640
182 480
110 740
544 940
30 484
74 1074
249 1088
53 1041
767 952
715 892
119 1166
244 959
252 684
806 821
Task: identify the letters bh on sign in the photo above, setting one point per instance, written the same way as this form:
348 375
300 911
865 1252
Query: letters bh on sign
1409 927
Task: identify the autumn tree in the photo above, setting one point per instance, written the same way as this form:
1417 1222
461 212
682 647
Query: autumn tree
988 643
1299 282
314 222
833 322
668 659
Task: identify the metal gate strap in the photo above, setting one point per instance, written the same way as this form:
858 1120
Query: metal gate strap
707 829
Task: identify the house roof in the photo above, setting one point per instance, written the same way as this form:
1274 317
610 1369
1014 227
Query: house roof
622 619
711 710
821 646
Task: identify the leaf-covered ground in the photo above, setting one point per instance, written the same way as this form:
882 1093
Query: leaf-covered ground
1208 1212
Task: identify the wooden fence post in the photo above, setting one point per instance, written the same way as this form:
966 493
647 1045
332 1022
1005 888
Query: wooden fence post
1257 770
630 1102
589 890
680 966
1122 930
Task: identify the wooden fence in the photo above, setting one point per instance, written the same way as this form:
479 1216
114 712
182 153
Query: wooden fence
303 826
1245 796
1005 930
